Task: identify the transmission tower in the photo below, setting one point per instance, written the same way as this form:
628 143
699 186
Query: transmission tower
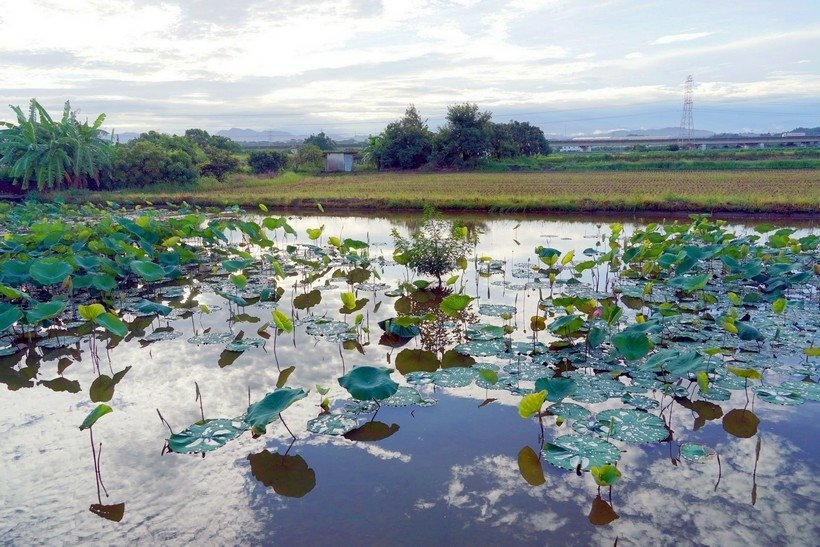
687 125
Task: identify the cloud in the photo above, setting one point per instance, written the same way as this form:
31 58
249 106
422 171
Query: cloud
685 37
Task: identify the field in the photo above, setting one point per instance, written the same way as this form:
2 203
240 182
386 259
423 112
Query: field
774 191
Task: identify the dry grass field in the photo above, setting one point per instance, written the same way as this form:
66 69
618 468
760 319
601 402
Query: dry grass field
775 191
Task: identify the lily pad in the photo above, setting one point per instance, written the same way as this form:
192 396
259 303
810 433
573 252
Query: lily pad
569 411
332 424
496 310
779 395
697 453
206 436
632 426
573 451
369 383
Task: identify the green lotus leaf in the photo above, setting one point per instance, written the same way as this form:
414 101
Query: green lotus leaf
394 326
44 311
496 310
567 325
9 315
147 270
50 271
282 321
146 307
332 424
263 412
779 395
454 304
236 265
482 348
605 475
531 404
632 426
369 383
747 332
206 436
14 272
482 332
573 451
690 283
557 388
95 415
569 411
112 324
698 453
632 345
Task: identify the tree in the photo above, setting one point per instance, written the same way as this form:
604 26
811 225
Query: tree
435 248
220 162
154 158
518 139
205 140
406 143
322 141
308 158
465 138
267 161
49 153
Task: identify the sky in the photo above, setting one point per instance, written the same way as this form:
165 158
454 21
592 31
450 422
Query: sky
349 67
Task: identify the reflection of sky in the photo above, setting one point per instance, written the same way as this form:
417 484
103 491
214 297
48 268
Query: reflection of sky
449 473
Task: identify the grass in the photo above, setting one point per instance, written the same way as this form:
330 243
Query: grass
772 191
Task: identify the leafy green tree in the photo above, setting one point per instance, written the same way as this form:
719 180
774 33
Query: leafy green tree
465 138
518 139
322 141
204 140
309 157
435 248
154 158
220 163
267 161
52 153
405 143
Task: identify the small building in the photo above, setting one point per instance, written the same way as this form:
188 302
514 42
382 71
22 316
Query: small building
336 162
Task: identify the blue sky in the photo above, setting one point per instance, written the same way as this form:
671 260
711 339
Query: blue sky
349 67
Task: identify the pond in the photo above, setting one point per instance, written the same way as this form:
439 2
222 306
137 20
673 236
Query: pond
678 364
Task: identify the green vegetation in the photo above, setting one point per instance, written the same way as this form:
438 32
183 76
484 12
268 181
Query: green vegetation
321 141
784 191
53 154
267 161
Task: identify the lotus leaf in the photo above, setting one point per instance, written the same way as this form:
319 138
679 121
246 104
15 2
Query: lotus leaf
481 332
632 345
482 348
147 270
454 304
206 436
557 388
569 411
368 383
9 315
454 377
43 311
94 415
50 271
632 426
332 424
697 453
393 326
529 465
112 324
496 310
779 395
567 325
584 451
263 412
212 338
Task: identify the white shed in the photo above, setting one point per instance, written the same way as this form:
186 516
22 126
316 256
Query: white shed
339 161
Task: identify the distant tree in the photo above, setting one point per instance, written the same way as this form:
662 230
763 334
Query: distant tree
308 157
406 143
267 161
52 153
220 162
322 141
465 138
205 140
372 151
153 158
518 139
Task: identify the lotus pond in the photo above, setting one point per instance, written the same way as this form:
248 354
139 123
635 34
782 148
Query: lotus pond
180 375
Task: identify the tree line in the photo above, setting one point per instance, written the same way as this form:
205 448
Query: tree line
49 153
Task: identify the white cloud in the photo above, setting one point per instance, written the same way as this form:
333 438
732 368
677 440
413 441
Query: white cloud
685 37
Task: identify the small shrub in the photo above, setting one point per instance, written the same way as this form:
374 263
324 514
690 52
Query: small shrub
267 161
435 248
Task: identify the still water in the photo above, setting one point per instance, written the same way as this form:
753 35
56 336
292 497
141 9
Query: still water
445 473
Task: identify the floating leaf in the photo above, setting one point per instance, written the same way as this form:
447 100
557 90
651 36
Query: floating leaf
632 426
697 453
206 436
415 360
741 423
332 424
571 451
369 383
557 388
632 345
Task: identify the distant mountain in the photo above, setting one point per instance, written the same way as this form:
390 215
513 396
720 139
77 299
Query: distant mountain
251 135
810 131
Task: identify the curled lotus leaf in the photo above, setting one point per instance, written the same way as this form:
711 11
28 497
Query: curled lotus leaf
632 426
368 383
395 327
332 424
206 436
263 412
571 451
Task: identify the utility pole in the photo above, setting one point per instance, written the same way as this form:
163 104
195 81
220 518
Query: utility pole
687 125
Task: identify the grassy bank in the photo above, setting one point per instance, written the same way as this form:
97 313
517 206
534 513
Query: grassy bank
774 191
